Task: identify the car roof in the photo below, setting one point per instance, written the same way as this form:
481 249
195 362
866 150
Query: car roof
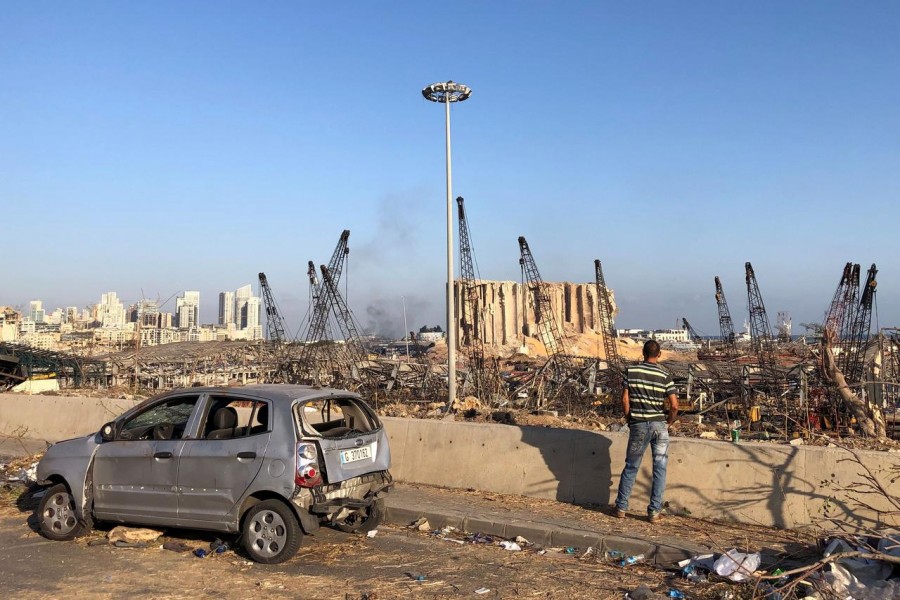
275 392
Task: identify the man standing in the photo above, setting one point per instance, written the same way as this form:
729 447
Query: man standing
648 390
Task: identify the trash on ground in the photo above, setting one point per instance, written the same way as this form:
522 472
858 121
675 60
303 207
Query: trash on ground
132 534
98 542
480 538
218 546
642 592
863 579
482 590
371 534
737 566
694 573
570 550
420 524
200 553
630 560
615 555
511 546
416 576
124 544
588 552
673 593
176 546
522 541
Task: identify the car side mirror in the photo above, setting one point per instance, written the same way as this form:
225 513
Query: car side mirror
108 432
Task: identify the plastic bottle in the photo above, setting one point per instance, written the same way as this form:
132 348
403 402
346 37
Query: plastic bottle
630 560
676 594
692 574
615 555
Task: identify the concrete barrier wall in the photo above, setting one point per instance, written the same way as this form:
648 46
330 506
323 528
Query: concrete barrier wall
55 418
765 484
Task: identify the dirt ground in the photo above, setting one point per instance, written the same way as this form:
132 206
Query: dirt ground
396 563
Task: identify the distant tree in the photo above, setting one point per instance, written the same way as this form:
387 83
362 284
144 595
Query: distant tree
868 415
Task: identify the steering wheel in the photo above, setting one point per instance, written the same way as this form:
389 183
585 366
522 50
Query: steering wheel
163 431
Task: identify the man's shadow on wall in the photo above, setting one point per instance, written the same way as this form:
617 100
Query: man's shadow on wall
579 463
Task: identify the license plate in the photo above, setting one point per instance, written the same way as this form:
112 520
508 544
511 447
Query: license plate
356 454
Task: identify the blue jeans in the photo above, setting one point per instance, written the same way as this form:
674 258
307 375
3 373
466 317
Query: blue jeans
640 435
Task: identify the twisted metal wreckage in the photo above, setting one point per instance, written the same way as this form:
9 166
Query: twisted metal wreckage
765 381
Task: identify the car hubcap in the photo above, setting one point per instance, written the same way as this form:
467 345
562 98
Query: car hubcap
59 514
268 533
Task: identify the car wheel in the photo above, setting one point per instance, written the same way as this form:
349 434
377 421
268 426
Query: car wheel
56 515
271 532
364 520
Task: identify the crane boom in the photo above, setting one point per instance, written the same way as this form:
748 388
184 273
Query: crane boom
343 316
692 333
861 328
471 337
726 326
319 317
761 338
838 309
274 322
851 304
543 312
607 325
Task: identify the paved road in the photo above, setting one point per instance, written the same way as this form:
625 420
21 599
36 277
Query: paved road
330 565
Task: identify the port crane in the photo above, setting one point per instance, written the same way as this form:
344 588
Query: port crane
726 326
761 339
470 320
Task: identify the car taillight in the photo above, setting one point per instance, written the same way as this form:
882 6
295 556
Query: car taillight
307 473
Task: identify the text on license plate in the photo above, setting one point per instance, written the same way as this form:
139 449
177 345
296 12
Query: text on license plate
355 454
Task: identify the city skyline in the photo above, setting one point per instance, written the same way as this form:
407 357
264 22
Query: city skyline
674 143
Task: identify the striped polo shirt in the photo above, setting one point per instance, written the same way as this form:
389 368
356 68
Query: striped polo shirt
648 387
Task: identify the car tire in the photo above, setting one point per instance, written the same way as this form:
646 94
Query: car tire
56 515
364 523
271 533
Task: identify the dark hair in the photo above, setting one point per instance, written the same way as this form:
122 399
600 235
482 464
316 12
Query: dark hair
651 349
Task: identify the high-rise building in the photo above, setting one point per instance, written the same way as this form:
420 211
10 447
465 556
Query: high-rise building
36 311
187 310
110 311
251 317
226 308
241 295
146 312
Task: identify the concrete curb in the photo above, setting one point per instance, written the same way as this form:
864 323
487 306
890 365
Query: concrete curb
402 513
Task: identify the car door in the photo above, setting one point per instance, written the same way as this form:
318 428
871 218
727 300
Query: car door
217 468
135 475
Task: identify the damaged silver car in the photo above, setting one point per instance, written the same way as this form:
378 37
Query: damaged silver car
270 462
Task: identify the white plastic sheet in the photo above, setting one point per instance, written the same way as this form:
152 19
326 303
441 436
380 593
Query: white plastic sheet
737 566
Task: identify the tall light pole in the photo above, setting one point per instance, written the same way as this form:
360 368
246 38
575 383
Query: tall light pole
448 92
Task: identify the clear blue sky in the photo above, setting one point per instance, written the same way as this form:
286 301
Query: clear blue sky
163 146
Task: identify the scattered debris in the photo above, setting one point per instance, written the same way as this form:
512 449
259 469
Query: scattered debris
372 533
176 546
482 590
420 524
630 560
642 592
132 534
511 546
737 566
